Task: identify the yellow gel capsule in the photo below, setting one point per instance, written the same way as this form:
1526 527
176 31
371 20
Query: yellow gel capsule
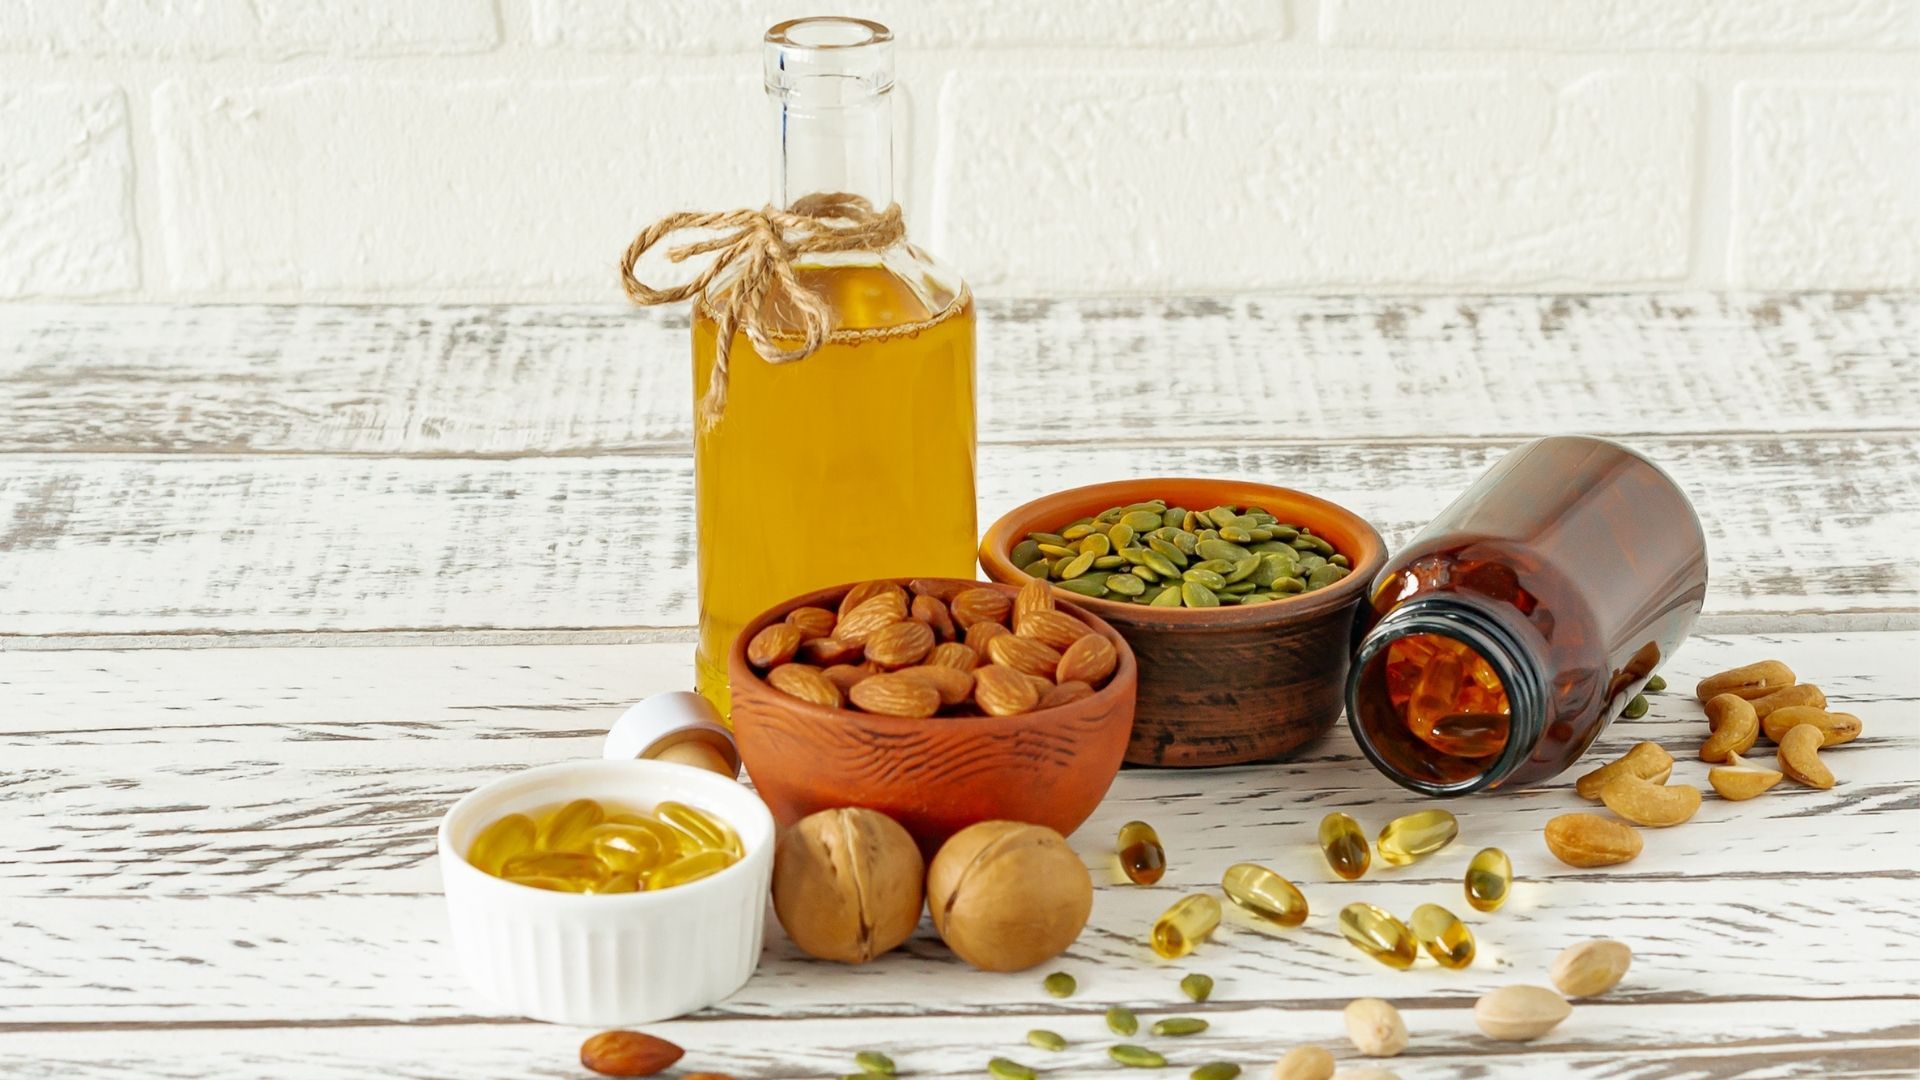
1141 856
1184 925
712 834
570 865
1264 894
617 883
552 884
511 835
1443 935
1489 879
1344 845
566 828
627 848
688 868
1420 833
1379 935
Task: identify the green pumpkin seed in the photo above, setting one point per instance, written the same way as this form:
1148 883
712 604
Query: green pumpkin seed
873 1061
1236 534
1243 569
1208 578
1636 708
1120 535
1656 684
1097 543
1179 1025
1197 986
1058 551
1077 531
1046 1040
1024 552
1221 549
1151 506
1126 585
1340 560
1167 551
1144 574
1324 575
1048 538
1187 543
1009 1070
1309 562
1160 564
1038 568
1196 595
1109 562
1215 1070
1060 984
1136 1057
1174 517
1083 587
1289 585
1221 515
1238 588
1078 565
1121 1021
1218 566
1141 520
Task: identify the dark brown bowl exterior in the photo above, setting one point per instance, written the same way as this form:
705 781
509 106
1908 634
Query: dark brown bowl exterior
1221 686
939 775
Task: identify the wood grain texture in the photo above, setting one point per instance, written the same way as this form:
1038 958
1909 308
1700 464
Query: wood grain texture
106 544
572 380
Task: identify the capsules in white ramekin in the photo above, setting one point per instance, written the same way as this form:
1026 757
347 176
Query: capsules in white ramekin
608 959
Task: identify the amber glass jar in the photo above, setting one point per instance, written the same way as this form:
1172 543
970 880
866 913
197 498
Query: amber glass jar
1519 623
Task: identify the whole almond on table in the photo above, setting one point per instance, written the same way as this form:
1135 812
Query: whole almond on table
1591 967
1088 660
1752 681
1799 757
1375 1027
1835 727
628 1053
1002 691
900 644
1520 1013
1366 1072
1644 802
1646 760
1734 727
893 694
1589 840
1740 779
1304 1063
773 645
1797 694
806 683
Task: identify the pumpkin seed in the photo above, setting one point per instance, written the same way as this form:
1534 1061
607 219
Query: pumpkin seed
1243 569
1141 520
1136 1057
1208 578
873 1061
1215 1070
1058 551
1120 535
1196 595
1060 984
1179 1025
1121 1021
1082 586
1236 534
1126 585
1024 552
1078 565
1167 597
1077 531
1046 1040
1197 986
1656 684
1222 515
1097 543
1636 708
1160 564
1167 550
1010 1070
1108 562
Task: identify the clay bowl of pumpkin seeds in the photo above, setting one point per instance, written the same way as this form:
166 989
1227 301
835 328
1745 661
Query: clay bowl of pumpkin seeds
1238 598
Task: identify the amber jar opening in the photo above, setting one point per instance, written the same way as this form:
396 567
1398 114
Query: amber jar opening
1387 733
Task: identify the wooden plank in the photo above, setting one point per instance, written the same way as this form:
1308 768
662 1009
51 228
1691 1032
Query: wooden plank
102 545
421 379
1865 1038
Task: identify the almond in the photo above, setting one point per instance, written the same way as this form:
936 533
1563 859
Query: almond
900 644
1055 629
868 590
829 651
1089 660
845 676
773 645
1591 967
628 1053
806 683
953 684
954 654
1644 802
1740 779
1734 724
1752 681
982 632
1520 1013
941 589
896 695
932 611
1799 757
1023 654
980 605
812 622
1065 693
860 624
1305 1063
1035 595
1002 691
1835 727
1589 840
1646 760
1797 694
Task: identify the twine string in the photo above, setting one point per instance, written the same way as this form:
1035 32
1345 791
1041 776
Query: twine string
760 246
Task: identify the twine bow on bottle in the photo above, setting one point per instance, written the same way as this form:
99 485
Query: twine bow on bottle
758 251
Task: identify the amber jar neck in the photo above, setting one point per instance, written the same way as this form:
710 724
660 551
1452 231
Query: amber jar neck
1487 630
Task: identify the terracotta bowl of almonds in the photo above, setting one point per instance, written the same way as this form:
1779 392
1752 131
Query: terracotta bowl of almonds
938 702
1239 600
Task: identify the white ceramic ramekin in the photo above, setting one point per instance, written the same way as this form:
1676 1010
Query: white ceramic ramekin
607 960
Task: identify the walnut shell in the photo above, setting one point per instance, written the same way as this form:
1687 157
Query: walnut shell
1006 896
846 884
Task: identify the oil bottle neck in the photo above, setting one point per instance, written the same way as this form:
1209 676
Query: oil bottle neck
829 85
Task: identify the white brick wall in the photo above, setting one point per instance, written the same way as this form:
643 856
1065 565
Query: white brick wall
503 150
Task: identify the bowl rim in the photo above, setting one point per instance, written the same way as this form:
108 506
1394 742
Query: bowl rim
1125 671
999 540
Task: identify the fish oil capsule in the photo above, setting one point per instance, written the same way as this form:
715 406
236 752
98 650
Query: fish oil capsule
578 870
1489 879
628 848
566 828
1141 856
1420 833
1344 845
511 835
1264 894
1184 925
1443 935
689 868
1379 935
711 834
617 883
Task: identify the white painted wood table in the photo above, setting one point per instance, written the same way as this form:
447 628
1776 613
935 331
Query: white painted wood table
278 584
